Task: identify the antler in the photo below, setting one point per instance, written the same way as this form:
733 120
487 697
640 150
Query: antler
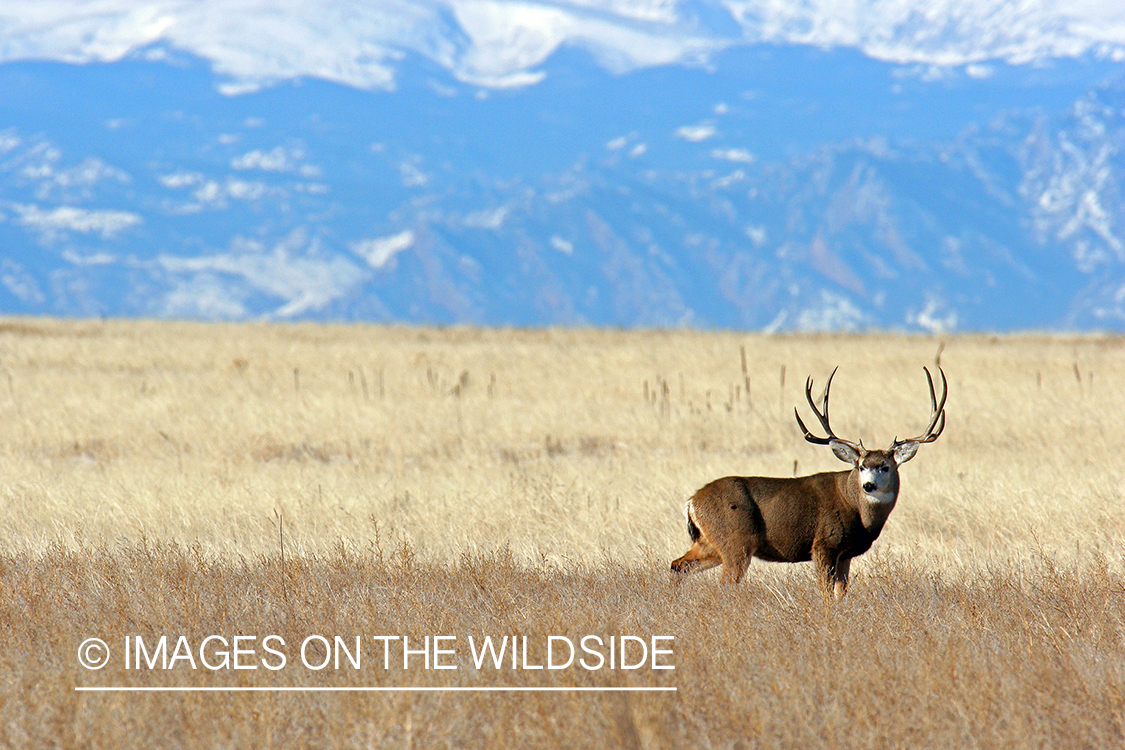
937 415
822 415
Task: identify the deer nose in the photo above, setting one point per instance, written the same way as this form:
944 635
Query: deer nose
868 486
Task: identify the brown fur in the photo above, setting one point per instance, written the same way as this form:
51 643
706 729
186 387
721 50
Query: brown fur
828 518
822 517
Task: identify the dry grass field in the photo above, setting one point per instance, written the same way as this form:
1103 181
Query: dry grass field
190 480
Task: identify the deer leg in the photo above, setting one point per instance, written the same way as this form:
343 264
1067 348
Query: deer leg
828 569
735 565
701 556
840 577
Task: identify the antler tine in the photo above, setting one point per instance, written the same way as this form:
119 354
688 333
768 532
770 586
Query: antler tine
937 415
808 435
821 414
824 402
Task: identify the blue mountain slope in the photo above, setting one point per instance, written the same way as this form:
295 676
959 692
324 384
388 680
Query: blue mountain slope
783 187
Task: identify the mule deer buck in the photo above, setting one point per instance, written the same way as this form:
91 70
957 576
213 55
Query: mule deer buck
828 518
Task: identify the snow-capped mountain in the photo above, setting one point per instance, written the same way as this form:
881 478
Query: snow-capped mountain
828 166
504 42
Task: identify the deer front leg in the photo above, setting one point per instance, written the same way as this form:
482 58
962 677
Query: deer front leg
840 577
832 569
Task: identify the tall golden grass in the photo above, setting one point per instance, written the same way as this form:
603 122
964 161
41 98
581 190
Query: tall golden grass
194 480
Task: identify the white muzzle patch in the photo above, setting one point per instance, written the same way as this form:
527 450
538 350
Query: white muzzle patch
879 498
873 484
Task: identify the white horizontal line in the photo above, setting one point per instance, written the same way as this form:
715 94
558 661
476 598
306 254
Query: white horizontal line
364 689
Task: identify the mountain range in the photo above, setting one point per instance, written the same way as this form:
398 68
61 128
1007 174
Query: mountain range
627 164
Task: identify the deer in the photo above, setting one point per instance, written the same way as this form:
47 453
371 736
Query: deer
828 518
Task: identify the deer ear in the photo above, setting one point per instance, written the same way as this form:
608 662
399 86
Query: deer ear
844 451
905 451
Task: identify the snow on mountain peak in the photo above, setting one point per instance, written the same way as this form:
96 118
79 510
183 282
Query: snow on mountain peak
501 43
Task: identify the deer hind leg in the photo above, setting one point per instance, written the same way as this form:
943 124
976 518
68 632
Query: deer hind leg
701 556
741 536
735 565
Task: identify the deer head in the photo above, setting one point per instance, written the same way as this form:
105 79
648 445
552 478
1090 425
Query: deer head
877 469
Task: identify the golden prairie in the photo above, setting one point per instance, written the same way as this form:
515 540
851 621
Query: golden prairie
191 479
